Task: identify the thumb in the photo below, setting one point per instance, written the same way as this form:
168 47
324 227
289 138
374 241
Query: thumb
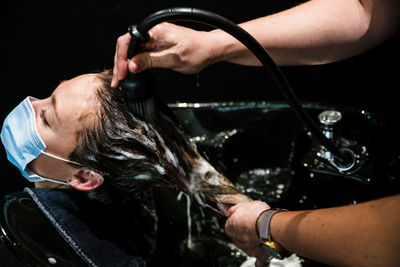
158 59
232 209
141 62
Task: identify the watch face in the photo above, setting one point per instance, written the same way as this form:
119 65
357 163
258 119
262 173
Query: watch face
271 251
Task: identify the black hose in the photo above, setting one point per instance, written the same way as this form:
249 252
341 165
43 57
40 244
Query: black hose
208 18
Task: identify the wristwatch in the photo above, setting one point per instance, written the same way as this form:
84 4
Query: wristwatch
271 247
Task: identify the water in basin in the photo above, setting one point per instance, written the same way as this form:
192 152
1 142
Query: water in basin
267 153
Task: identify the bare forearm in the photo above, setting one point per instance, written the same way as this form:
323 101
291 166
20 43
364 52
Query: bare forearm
316 32
366 234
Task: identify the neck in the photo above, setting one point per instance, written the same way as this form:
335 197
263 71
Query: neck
50 185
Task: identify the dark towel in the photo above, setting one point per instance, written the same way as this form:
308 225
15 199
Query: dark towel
65 214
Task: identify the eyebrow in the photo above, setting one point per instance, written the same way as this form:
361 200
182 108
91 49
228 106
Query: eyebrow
54 103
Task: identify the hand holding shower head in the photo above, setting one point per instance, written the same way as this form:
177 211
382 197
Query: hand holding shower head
217 21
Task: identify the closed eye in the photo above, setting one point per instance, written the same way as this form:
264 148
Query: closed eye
43 117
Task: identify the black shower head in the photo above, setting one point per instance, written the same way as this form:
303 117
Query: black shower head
138 88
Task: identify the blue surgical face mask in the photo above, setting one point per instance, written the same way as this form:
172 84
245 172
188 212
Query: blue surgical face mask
22 142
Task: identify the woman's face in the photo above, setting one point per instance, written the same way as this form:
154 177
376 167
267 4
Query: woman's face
58 118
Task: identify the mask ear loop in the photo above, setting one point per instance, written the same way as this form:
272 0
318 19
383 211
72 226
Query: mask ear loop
62 159
54 181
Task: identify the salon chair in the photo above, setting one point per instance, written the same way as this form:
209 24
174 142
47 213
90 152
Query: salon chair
30 237
104 236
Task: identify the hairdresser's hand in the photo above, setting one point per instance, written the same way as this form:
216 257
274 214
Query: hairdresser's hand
240 227
170 46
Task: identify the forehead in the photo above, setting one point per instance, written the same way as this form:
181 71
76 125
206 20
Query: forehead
83 86
75 99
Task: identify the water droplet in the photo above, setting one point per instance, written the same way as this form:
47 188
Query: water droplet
52 260
280 186
197 80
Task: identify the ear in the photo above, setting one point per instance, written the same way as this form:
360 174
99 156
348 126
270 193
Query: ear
86 180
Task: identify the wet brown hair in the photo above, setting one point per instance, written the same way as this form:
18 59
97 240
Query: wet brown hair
132 153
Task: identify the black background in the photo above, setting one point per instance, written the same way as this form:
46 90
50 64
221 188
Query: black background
44 42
